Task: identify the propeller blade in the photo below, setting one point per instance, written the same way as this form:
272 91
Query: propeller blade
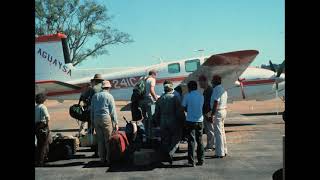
241 88
277 96
272 66
280 69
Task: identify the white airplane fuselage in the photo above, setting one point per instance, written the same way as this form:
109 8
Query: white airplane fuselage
257 83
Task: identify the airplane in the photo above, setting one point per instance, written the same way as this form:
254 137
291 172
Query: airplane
60 80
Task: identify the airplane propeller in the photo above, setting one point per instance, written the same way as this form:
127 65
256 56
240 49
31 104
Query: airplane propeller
278 72
241 87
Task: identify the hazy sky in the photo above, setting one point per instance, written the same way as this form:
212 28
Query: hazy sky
173 29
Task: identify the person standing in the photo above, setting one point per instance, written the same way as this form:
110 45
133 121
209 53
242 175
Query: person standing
104 117
207 122
193 103
218 103
178 92
42 118
95 87
148 103
167 112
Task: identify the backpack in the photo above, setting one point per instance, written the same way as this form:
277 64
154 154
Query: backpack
78 112
139 90
118 146
136 111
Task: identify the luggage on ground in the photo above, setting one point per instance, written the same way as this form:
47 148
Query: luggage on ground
62 147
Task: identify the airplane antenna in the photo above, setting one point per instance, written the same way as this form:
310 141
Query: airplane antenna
200 50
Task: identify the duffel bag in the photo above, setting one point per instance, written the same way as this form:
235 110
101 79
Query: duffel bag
76 111
118 146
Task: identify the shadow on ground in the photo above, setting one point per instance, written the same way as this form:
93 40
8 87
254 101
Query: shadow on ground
242 124
85 150
64 130
82 156
65 164
263 114
130 167
94 164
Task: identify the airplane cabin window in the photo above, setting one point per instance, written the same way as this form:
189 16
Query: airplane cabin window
192 65
174 68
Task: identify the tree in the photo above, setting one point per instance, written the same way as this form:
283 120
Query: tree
85 23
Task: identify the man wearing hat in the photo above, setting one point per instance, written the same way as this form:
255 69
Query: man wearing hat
218 104
207 120
168 112
104 118
86 96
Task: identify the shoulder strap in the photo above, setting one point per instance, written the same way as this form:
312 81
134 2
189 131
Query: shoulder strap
40 112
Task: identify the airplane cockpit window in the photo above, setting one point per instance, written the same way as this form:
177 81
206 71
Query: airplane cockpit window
174 68
192 65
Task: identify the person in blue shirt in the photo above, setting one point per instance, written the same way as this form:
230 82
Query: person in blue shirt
104 118
193 103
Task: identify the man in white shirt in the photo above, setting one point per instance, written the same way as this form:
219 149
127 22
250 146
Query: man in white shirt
218 103
148 104
193 103
42 118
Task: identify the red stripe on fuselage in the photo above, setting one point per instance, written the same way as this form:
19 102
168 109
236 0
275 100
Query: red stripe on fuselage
159 81
64 92
42 82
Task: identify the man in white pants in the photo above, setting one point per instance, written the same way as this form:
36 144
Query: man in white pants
218 103
104 118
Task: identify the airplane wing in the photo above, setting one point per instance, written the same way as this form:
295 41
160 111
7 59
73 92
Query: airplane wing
228 65
55 87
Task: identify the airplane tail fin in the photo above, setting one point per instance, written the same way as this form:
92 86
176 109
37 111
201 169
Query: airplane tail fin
52 58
